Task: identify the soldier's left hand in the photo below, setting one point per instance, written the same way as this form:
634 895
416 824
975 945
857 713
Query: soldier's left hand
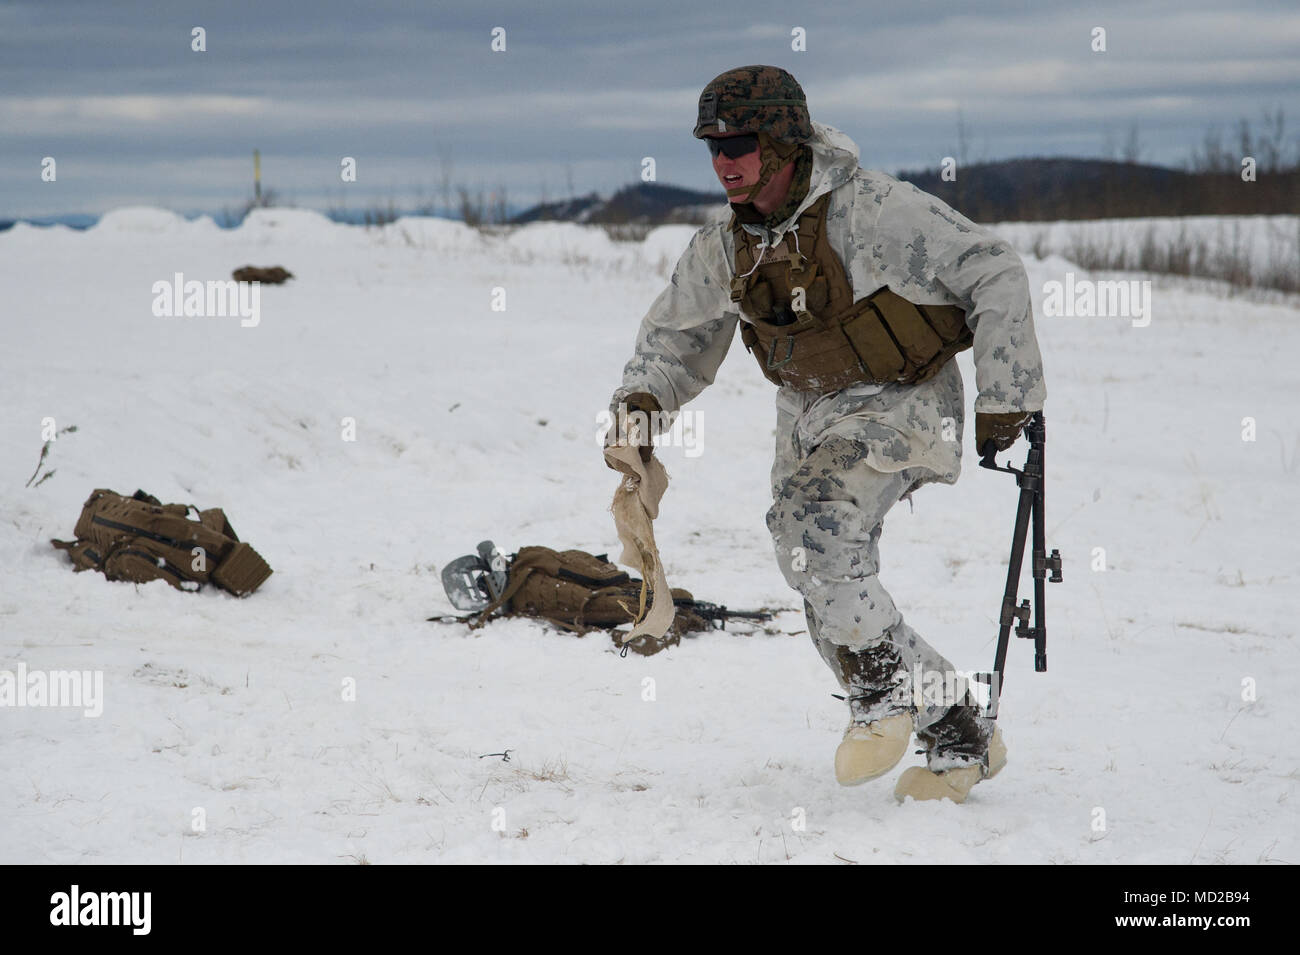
1000 429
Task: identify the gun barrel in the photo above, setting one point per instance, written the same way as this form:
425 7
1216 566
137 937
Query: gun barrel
710 611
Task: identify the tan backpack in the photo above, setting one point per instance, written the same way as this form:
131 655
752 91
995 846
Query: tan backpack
583 592
139 538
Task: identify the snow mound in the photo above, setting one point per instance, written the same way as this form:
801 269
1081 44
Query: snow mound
26 231
430 232
147 220
293 225
204 225
667 242
565 241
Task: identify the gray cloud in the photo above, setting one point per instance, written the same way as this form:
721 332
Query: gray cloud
585 89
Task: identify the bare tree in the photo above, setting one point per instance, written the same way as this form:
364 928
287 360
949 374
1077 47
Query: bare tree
425 204
963 152
1109 145
265 200
1132 144
963 141
1272 141
1212 157
1245 142
472 207
500 206
445 170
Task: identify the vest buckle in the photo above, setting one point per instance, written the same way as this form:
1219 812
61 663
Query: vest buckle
789 354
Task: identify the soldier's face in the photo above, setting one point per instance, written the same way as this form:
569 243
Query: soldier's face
740 172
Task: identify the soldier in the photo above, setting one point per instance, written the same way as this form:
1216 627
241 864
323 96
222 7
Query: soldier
853 291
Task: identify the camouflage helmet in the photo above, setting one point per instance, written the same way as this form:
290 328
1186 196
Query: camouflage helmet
753 99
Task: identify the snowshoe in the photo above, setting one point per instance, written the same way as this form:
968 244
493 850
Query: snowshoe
472 582
871 750
954 784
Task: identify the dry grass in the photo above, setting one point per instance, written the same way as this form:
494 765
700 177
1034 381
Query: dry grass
1227 259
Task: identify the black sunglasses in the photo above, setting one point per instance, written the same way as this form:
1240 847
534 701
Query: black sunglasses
733 147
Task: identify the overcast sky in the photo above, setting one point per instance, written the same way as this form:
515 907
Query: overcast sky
584 90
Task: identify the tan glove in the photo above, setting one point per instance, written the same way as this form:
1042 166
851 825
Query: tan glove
646 403
1002 429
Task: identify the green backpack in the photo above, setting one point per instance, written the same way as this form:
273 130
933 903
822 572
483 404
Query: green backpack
139 538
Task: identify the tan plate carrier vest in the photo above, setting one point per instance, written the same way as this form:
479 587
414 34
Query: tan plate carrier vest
833 341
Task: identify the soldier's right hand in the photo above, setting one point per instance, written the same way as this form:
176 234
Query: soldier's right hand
634 424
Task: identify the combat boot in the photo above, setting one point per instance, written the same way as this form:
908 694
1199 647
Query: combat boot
962 748
879 727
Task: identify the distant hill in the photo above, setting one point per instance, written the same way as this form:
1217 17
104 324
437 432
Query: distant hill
75 221
1026 190
1032 190
644 203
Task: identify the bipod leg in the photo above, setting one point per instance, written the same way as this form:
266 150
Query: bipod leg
1010 613
1038 460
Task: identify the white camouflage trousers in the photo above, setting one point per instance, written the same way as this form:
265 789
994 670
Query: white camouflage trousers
829 505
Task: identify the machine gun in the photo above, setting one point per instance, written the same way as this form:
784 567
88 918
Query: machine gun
1031 506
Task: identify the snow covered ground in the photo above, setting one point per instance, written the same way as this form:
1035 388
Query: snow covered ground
1136 746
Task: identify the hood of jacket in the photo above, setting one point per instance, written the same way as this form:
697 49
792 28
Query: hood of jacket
835 160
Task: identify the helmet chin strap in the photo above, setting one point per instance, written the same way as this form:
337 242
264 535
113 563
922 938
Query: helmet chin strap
775 155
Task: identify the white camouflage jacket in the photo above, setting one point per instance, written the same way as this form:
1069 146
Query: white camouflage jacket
886 232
